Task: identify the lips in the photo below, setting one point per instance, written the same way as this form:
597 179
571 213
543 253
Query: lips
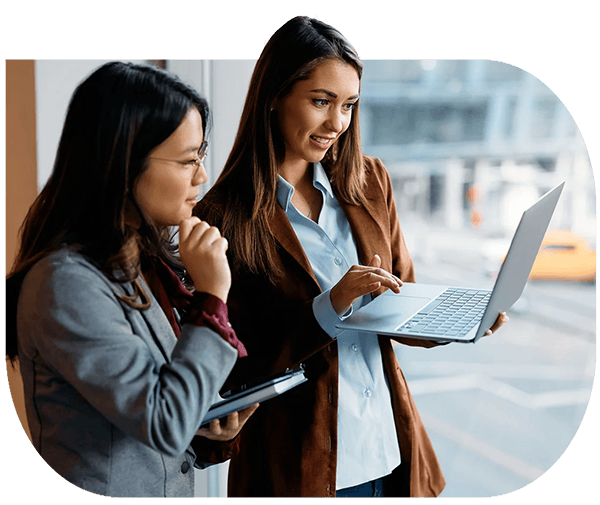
323 142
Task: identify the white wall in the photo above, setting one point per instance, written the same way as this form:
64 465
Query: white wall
55 82
230 79
223 83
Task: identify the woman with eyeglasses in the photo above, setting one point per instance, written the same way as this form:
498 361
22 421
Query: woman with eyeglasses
120 361
313 232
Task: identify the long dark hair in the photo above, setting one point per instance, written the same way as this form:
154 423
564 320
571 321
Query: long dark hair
246 188
116 116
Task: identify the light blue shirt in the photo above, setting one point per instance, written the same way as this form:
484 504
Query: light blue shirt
367 440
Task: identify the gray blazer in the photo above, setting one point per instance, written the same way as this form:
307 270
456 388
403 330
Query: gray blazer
113 398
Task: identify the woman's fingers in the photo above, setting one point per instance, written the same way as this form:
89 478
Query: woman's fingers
502 319
200 233
246 413
360 281
370 274
203 233
203 252
215 428
228 428
236 421
186 226
375 262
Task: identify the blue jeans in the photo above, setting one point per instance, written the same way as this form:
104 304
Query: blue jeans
372 489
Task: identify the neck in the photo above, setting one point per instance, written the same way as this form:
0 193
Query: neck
297 173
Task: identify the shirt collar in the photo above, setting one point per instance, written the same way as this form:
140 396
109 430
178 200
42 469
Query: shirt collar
320 179
285 190
284 193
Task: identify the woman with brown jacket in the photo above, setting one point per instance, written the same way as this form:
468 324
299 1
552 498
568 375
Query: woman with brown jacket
314 233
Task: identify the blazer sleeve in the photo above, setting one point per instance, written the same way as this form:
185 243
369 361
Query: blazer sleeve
72 325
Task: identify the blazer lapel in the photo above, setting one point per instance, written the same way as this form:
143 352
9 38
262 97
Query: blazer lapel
286 236
369 237
365 223
156 321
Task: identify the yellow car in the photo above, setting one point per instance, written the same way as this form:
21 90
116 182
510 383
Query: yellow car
565 256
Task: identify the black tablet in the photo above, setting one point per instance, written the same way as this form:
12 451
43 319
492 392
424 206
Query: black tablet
249 394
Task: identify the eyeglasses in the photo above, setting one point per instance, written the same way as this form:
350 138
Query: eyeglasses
202 152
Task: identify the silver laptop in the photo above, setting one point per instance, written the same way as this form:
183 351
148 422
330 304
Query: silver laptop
450 314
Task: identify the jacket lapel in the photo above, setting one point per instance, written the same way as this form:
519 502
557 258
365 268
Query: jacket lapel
368 234
366 225
286 236
156 321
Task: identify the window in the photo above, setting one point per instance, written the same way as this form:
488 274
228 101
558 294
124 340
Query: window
400 123
498 72
397 71
509 118
543 118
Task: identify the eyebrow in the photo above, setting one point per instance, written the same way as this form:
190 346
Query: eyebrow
330 93
191 149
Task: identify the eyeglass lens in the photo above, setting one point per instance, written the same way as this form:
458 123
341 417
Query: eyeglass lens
202 152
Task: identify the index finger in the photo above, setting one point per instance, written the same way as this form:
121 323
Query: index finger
186 226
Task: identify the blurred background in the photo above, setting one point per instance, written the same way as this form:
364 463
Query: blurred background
469 145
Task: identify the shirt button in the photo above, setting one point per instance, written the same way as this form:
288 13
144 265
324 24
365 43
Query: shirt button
337 261
185 467
354 347
368 393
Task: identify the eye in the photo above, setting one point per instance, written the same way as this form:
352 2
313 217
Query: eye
350 106
321 102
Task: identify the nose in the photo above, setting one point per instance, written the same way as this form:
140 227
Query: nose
336 122
200 176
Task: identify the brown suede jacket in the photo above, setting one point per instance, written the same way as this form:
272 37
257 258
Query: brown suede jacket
289 446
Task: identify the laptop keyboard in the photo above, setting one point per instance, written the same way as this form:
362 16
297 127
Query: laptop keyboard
452 313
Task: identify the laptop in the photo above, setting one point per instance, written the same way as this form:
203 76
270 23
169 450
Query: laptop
457 314
256 392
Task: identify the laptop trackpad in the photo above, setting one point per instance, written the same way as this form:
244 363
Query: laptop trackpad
385 313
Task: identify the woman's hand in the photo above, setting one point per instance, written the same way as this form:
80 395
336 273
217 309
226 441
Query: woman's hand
223 430
203 252
502 319
361 280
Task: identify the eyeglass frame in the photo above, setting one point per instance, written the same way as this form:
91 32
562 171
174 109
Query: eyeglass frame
202 153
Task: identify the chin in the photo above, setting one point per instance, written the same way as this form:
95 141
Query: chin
317 157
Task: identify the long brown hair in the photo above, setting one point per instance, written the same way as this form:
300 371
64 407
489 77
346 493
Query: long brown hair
246 188
116 116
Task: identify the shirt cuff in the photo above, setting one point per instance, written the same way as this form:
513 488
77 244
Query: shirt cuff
326 315
210 311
